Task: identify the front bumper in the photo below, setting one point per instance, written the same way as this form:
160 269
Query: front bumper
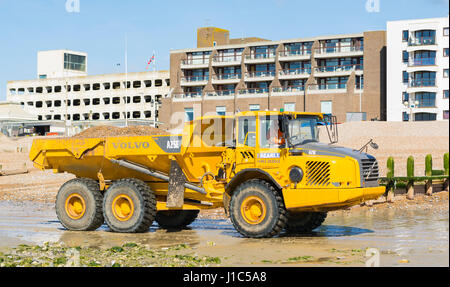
329 199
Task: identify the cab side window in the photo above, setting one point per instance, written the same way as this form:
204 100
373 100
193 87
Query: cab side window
247 131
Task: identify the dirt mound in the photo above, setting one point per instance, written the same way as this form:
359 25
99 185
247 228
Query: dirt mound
111 131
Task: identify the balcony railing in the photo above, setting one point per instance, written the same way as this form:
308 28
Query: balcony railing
421 41
341 68
417 83
188 95
201 61
227 58
222 93
260 74
334 86
421 62
192 79
298 71
293 53
339 49
256 56
254 91
227 76
288 89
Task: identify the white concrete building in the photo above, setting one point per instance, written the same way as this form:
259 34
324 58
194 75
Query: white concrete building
418 69
80 101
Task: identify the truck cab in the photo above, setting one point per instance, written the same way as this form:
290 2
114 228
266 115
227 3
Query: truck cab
281 154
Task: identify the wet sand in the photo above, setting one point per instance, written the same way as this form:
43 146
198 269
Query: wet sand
412 236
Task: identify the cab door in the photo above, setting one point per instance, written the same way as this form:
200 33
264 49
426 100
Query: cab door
270 141
246 142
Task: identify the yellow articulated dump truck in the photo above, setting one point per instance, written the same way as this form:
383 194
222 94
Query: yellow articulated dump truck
266 169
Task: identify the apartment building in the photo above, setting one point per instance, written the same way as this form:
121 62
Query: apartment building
417 70
341 74
113 99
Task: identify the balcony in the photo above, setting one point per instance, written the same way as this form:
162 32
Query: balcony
227 78
421 85
299 73
257 58
294 55
194 80
254 92
221 95
335 71
327 88
288 91
187 97
339 51
415 65
421 62
422 41
195 63
227 60
259 76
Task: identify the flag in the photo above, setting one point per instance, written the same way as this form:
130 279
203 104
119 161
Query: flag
151 60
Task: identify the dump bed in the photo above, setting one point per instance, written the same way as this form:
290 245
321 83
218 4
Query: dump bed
85 157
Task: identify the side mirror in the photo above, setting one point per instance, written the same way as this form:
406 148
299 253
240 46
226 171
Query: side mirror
374 145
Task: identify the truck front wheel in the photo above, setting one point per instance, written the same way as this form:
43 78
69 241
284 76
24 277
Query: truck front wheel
304 222
79 205
129 206
176 219
257 210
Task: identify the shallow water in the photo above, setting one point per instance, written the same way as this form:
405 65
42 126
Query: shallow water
419 235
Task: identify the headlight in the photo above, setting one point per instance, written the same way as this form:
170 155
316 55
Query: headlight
296 174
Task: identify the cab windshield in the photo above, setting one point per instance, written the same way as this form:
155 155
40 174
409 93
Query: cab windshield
303 130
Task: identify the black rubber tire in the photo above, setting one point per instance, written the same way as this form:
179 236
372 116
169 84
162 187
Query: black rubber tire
144 202
89 190
304 222
275 219
176 219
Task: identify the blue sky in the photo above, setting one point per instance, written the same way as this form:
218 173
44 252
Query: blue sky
27 26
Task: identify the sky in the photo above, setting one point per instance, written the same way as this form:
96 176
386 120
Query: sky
100 27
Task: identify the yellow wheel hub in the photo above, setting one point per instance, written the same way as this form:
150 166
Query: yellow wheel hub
75 206
122 207
253 209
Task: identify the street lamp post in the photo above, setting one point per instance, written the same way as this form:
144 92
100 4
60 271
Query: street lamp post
411 105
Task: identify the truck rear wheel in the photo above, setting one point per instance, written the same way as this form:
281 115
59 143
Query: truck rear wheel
176 219
257 210
304 222
129 206
79 205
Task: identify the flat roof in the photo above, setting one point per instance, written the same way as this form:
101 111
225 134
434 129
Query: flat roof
268 42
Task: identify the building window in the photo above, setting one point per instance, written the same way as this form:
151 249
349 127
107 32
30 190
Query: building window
446 31
405 77
289 107
445 52
445 73
326 107
405 35
221 110
74 62
254 108
188 114
405 56
419 117
445 115
42 76
405 97
426 99
445 94
405 117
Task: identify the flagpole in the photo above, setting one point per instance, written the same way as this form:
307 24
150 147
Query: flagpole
126 80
